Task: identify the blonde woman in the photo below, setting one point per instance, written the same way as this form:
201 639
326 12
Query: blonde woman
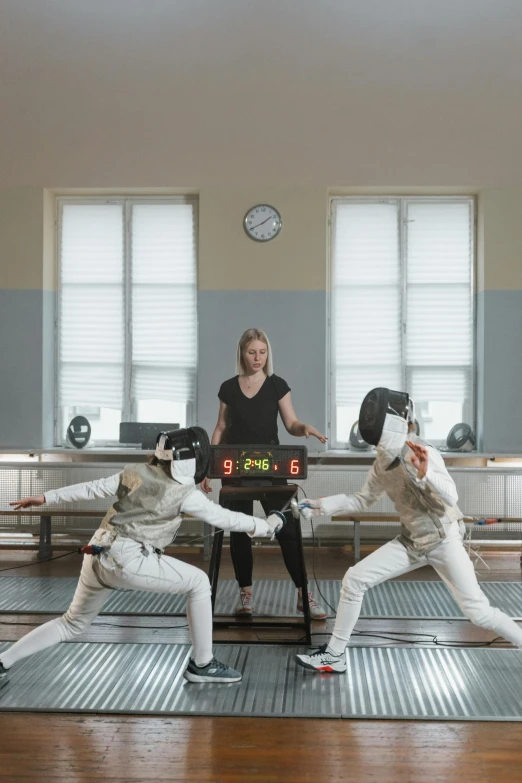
249 405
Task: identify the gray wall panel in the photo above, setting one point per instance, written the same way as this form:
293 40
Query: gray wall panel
500 370
48 367
295 322
21 325
296 325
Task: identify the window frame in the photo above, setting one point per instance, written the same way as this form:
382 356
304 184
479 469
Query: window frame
402 202
127 202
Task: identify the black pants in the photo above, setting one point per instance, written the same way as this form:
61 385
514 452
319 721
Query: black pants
241 543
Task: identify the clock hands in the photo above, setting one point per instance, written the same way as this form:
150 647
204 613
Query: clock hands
270 217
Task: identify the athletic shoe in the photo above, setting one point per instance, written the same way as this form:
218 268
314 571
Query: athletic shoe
4 674
316 611
212 672
323 661
245 606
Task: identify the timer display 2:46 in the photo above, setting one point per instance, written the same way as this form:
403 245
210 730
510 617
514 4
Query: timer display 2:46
261 465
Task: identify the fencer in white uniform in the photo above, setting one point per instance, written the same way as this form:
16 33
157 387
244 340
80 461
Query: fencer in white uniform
144 520
414 476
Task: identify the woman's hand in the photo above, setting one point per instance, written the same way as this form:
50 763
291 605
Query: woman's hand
419 459
35 500
205 486
309 430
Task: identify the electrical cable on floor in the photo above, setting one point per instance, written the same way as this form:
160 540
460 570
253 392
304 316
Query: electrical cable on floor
108 625
39 562
391 636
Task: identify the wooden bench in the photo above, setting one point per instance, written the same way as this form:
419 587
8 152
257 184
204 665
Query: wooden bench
45 547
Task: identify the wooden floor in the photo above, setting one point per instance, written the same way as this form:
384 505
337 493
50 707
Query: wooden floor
70 748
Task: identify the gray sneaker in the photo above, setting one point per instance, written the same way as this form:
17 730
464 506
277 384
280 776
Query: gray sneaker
215 671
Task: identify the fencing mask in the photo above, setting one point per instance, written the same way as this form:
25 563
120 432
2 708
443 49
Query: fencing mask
461 438
383 419
189 452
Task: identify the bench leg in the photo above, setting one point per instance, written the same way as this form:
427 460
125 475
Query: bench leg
215 560
304 581
207 532
45 549
356 540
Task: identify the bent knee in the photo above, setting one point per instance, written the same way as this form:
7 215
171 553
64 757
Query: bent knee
73 625
353 585
200 584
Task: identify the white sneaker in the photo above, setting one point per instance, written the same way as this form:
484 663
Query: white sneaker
323 661
245 606
316 611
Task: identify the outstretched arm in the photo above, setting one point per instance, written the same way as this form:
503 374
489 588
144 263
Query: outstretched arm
88 490
358 502
292 424
197 505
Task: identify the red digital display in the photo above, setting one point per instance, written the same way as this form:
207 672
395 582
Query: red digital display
255 461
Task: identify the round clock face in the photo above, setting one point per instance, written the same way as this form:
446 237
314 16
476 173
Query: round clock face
262 223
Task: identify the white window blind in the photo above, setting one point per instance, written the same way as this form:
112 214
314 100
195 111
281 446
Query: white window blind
163 302
402 311
127 320
91 306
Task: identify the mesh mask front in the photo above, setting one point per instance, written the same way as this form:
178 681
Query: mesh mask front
377 404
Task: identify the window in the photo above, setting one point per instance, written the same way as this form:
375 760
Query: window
402 308
126 327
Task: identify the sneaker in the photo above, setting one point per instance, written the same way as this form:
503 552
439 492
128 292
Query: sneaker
316 611
245 606
4 674
323 661
212 672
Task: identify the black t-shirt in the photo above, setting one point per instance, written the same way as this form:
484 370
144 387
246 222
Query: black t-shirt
252 420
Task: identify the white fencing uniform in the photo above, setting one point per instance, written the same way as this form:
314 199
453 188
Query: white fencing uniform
138 526
430 536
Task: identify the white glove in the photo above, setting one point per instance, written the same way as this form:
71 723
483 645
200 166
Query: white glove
274 522
308 508
268 526
261 528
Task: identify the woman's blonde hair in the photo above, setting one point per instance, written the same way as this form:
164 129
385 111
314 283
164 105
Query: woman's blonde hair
244 340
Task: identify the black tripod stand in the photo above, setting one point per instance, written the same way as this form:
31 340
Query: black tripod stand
227 495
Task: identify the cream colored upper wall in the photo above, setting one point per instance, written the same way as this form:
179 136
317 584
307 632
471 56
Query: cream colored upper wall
49 241
294 260
21 238
500 232
149 94
228 260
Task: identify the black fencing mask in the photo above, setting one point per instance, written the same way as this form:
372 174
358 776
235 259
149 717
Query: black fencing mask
79 432
461 438
379 409
189 451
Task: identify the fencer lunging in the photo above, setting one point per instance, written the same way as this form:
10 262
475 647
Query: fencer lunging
414 476
141 523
